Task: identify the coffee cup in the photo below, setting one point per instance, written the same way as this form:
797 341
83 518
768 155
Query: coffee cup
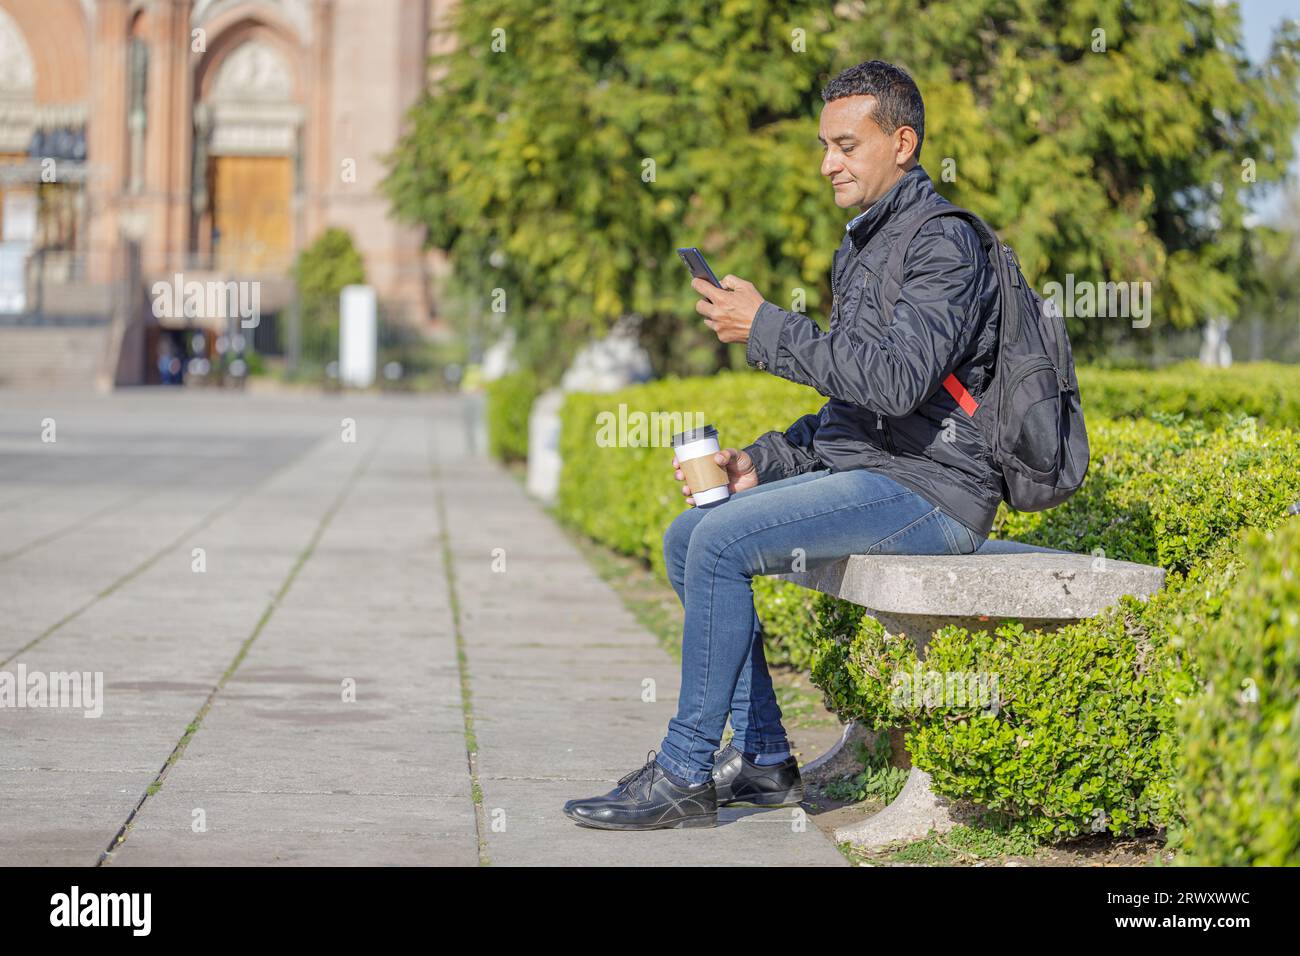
695 449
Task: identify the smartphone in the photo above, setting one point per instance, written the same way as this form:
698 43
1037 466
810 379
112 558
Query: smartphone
694 260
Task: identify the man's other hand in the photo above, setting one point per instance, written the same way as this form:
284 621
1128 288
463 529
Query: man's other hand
741 473
728 311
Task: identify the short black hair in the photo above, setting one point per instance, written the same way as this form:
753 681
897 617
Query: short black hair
898 101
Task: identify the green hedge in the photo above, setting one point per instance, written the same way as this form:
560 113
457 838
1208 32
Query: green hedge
1084 736
1241 777
1087 736
1267 391
1158 494
625 496
786 612
1166 495
509 400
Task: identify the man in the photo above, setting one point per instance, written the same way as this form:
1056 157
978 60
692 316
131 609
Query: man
891 464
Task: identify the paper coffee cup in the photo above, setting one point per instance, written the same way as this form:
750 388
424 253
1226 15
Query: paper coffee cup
695 449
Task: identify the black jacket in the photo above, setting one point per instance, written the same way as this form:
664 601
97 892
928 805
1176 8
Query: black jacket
882 374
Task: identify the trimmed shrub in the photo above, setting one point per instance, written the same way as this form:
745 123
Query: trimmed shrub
1166 495
1240 779
1267 391
1080 732
1157 491
509 400
619 488
786 612
1085 734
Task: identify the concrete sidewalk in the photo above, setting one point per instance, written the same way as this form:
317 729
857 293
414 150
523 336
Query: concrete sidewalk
390 656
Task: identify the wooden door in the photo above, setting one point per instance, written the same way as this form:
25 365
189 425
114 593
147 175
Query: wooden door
252 213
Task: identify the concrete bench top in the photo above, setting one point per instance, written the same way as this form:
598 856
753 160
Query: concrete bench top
1003 579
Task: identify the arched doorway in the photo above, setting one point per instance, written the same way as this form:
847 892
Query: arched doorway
248 121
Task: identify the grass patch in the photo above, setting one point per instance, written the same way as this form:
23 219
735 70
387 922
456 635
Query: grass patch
877 780
964 844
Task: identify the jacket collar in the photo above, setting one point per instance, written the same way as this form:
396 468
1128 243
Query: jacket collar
912 187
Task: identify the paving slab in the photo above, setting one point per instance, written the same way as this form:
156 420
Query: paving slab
354 678
562 676
342 728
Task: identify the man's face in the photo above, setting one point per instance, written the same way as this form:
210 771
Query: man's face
861 161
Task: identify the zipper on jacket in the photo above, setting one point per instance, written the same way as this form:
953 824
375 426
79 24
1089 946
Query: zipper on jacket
831 319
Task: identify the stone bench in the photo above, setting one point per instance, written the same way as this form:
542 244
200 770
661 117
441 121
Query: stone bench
918 594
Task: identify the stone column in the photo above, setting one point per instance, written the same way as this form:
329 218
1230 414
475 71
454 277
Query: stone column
106 136
318 165
164 203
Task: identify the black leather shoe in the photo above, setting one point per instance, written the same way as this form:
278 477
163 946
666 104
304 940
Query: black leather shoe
740 783
646 799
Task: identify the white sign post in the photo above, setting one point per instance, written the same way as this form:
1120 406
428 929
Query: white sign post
20 211
358 336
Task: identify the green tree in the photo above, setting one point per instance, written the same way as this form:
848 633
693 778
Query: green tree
569 147
321 271
566 166
1117 140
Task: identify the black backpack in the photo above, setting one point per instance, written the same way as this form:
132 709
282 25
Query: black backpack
1030 412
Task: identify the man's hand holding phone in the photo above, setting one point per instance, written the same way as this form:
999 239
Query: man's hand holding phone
728 306
741 473
728 311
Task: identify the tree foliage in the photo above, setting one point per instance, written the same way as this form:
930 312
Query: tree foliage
1115 141
569 146
321 270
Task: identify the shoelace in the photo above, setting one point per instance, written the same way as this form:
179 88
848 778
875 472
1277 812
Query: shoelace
639 781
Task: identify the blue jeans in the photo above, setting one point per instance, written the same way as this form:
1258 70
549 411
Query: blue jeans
714 552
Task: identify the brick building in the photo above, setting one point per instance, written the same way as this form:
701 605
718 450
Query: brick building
222 136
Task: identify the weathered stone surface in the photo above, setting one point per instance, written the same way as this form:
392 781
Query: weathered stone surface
1004 579
404 569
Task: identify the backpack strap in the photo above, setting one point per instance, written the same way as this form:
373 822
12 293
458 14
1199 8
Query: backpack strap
892 280
962 397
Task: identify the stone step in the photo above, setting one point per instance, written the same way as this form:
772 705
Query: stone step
51 356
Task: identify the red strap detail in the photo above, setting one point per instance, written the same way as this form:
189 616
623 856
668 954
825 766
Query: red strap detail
958 391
